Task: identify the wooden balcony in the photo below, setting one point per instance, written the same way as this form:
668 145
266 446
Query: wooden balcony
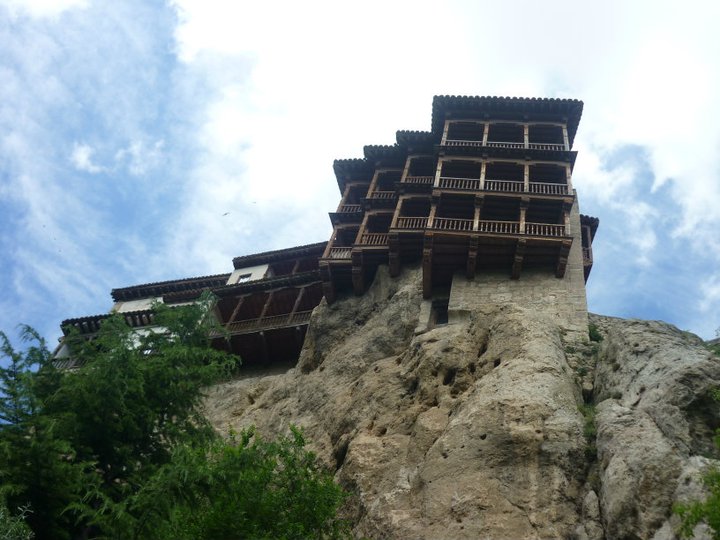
419 180
462 184
373 239
460 143
411 223
339 253
382 195
268 323
503 186
485 226
349 209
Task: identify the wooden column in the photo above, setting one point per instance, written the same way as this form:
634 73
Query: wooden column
427 265
476 217
566 139
373 183
486 131
526 135
296 266
438 170
568 178
518 258
297 302
446 127
396 214
361 230
345 196
431 217
524 203
483 170
266 306
406 169
526 178
236 310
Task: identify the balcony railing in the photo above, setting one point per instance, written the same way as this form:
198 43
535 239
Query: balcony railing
466 184
546 146
419 180
499 227
547 188
462 143
544 229
452 224
267 323
504 185
374 239
350 208
382 195
339 253
409 222
505 144
507 186
486 226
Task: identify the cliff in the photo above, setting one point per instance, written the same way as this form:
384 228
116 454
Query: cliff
507 422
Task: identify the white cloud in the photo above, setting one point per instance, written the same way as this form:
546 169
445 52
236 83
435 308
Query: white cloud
139 157
81 159
42 8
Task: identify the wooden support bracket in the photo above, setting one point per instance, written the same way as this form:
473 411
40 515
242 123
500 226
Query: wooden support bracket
518 259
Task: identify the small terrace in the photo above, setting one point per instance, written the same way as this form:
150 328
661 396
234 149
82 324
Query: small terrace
507 135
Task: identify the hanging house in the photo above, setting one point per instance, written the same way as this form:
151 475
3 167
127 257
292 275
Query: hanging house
486 191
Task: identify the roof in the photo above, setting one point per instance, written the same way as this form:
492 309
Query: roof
511 108
159 288
279 255
592 222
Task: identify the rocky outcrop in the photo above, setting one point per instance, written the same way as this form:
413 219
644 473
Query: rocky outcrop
485 427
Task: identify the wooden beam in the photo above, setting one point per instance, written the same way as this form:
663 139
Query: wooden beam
446 128
394 253
358 280
240 299
329 292
473 244
264 347
518 259
266 306
427 265
297 301
563 258
438 170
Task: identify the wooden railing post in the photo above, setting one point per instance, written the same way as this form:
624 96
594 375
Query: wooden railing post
431 217
446 128
396 214
361 230
568 178
438 170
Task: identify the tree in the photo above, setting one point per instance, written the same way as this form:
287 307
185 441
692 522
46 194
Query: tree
118 448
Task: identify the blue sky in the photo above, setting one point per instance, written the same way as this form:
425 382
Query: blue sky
143 141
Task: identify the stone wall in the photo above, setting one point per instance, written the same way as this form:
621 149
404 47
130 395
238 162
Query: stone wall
564 299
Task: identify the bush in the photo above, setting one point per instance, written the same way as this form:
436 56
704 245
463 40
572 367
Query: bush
594 333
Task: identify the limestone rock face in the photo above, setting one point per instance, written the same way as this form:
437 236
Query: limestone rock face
656 417
475 429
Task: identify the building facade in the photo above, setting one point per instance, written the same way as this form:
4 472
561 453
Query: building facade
483 201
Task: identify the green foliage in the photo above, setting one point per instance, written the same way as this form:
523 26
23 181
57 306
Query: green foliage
707 511
13 527
594 333
589 431
118 448
241 488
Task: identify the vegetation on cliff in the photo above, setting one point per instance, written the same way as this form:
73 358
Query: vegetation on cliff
118 448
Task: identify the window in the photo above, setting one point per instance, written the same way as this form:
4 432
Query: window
244 278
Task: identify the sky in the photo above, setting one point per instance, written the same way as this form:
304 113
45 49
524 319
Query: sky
146 140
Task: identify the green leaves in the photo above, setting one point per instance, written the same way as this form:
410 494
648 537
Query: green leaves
118 448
